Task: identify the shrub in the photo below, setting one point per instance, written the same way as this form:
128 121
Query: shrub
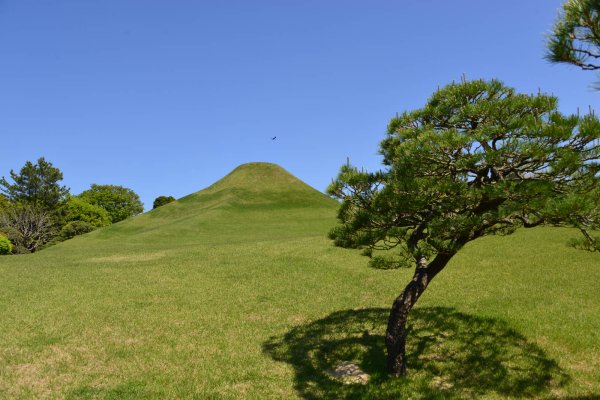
5 245
76 209
120 202
162 200
20 250
75 228
15 237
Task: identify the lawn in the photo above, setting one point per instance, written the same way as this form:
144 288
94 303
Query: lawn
235 292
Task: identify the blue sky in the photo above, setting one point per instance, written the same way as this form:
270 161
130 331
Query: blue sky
166 97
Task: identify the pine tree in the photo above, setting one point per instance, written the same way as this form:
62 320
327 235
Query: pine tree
36 184
478 159
575 37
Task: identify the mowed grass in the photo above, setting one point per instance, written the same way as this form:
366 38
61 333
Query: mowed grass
235 292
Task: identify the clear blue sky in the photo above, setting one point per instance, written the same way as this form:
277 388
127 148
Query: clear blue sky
165 97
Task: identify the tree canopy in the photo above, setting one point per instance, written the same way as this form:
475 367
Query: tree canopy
162 200
3 202
76 209
36 184
575 37
477 159
118 201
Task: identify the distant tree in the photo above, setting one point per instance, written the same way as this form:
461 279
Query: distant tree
36 184
162 200
77 209
575 37
118 201
478 159
33 225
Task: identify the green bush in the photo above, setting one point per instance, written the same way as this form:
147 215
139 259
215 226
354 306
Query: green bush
13 234
120 202
16 238
75 228
20 250
6 246
76 209
162 200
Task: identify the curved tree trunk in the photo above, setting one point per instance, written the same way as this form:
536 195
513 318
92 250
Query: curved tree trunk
395 336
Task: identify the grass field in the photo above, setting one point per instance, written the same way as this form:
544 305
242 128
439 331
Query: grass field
235 292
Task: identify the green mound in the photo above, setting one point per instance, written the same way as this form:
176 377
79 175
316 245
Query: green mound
259 185
258 200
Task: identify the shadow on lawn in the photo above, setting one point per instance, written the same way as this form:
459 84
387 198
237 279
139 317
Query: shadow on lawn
450 355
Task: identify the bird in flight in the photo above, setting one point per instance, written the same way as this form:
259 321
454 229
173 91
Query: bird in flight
274 137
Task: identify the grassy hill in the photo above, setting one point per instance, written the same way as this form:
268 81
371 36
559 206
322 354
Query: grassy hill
235 292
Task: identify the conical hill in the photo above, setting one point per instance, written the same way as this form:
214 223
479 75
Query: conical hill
255 201
259 184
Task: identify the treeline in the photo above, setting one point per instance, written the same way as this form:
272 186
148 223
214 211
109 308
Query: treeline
36 211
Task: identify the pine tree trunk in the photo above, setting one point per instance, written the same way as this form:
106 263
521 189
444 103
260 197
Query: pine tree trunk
395 336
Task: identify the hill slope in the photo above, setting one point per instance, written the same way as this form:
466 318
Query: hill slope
256 200
235 292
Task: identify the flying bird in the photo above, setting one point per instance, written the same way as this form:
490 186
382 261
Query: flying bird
274 137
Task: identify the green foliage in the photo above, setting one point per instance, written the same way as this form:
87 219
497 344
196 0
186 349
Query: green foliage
15 237
20 250
162 200
76 228
36 184
76 209
6 246
478 159
4 203
575 37
118 201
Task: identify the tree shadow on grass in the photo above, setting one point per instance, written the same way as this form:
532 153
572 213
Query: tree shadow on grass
450 355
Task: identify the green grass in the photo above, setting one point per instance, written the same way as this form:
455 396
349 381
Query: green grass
235 292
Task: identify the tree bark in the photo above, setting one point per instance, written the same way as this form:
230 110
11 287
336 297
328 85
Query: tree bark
395 336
